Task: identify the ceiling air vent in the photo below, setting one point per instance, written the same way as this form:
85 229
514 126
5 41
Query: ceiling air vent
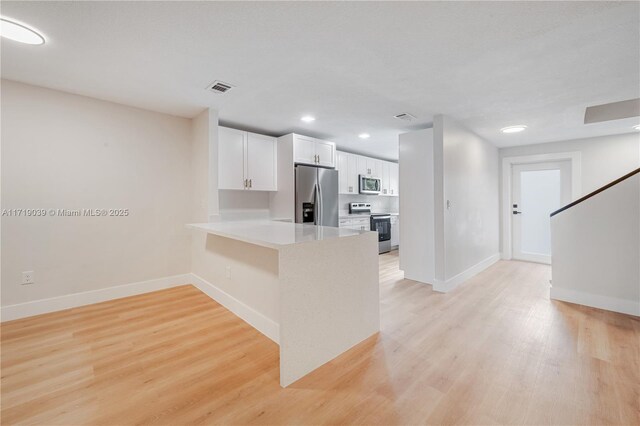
405 116
219 87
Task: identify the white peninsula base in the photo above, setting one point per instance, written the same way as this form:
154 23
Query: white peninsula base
318 284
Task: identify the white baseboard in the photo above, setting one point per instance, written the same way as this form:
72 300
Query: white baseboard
264 325
453 282
43 306
624 306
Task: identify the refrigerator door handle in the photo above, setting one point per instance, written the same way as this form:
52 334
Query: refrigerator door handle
316 199
320 207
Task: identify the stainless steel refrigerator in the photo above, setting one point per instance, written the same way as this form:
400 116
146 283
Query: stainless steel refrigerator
316 196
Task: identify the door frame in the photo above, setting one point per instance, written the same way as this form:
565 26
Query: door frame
574 158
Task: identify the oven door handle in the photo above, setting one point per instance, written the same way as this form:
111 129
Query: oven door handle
381 217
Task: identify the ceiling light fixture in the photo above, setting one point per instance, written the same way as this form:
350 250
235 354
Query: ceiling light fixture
636 127
308 119
364 135
513 129
19 32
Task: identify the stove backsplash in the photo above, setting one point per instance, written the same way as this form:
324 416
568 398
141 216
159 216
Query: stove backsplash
379 204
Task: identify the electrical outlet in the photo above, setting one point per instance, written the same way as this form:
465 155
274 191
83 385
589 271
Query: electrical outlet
228 272
28 277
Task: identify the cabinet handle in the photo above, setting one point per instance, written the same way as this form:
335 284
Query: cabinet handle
250 183
351 189
245 183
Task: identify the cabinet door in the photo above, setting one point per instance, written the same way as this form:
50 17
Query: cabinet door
373 167
231 164
362 165
384 177
352 174
361 224
343 172
304 150
261 162
395 234
344 223
394 183
326 153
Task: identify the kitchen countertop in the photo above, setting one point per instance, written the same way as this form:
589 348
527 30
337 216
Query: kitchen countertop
273 234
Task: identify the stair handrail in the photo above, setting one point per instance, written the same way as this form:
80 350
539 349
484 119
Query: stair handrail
597 191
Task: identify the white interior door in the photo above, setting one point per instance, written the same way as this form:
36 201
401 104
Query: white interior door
537 190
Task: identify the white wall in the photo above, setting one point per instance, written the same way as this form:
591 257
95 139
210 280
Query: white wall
602 159
596 250
417 208
71 152
446 245
471 219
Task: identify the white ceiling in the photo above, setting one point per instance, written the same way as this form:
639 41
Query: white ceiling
352 65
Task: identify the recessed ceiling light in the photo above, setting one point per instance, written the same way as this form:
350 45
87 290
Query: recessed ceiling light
19 32
308 119
513 129
364 135
636 127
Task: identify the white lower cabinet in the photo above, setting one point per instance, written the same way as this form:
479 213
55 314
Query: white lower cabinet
358 224
395 231
246 161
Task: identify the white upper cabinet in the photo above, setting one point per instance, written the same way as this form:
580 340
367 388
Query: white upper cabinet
326 152
384 178
246 160
347 173
351 166
314 151
373 167
304 150
261 162
343 172
394 179
352 177
361 165
231 158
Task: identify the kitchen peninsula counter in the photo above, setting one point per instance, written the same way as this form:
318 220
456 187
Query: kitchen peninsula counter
314 290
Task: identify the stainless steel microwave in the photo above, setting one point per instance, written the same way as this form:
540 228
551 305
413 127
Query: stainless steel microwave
369 185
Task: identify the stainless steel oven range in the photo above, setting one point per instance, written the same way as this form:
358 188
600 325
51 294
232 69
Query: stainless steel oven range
380 222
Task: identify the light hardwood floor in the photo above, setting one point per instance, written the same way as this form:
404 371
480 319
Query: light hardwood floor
495 350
